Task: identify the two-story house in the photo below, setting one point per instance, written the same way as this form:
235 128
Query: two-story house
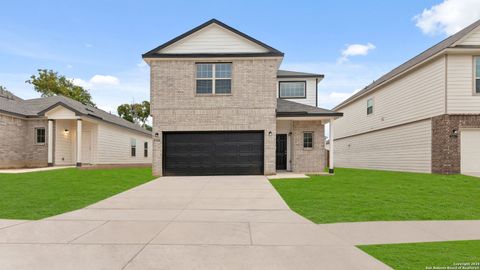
423 116
221 106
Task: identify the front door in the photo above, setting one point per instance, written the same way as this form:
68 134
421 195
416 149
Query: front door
281 152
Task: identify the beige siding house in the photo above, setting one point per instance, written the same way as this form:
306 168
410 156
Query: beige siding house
415 117
58 131
220 105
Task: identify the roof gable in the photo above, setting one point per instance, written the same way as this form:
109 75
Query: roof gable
450 42
212 38
472 39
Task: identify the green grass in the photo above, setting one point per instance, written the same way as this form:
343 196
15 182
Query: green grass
427 255
38 195
367 195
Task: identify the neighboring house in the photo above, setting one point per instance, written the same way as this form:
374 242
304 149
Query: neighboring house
43 132
423 116
221 106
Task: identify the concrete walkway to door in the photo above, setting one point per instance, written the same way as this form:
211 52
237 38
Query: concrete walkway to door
220 222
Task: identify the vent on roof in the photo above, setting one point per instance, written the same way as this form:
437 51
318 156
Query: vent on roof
88 109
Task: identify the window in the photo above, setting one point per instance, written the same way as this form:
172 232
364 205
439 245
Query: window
39 135
292 89
145 149
133 147
369 106
214 78
477 75
308 140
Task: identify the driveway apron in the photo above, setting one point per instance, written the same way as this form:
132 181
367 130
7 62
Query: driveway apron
208 222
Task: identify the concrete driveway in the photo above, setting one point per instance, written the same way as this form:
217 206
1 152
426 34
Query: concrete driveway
221 222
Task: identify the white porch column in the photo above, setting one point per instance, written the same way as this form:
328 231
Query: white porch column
330 138
79 142
50 143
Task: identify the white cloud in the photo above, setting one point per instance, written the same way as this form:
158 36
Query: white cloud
448 17
81 82
105 80
141 64
354 50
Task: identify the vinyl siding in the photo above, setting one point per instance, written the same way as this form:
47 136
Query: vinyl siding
113 146
403 148
416 96
311 89
65 142
472 39
214 39
460 83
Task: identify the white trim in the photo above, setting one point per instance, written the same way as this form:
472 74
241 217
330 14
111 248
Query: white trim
79 140
50 142
332 147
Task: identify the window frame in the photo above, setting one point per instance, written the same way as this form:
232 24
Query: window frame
475 75
372 106
133 147
213 79
36 129
145 149
312 134
295 97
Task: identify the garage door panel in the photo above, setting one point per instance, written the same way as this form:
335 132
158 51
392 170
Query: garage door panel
213 153
470 150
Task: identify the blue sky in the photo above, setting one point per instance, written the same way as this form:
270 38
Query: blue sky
99 43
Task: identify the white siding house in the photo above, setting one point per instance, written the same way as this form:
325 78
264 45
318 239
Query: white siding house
411 119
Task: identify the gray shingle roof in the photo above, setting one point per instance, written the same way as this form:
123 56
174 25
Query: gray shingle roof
295 74
37 107
290 108
442 45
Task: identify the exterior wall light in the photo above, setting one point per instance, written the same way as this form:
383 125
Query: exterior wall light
66 131
454 133
156 134
270 133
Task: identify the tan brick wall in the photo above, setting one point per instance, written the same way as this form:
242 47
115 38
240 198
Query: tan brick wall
251 106
308 160
17 147
36 155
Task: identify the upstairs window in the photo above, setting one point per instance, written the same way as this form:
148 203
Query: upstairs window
292 89
369 106
145 149
40 135
308 140
133 147
477 75
214 78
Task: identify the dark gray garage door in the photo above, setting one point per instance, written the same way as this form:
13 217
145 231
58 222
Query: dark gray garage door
212 153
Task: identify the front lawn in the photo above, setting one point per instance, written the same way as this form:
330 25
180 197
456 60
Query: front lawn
368 195
38 195
439 255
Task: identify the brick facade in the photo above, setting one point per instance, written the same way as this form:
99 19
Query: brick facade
251 105
445 146
308 160
17 145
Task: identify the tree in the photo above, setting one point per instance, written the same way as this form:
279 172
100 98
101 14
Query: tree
136 113
50 83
